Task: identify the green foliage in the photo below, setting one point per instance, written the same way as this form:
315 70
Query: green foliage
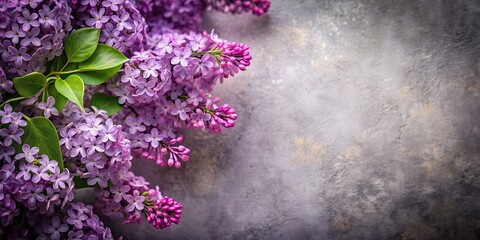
41 132
71 88
84 61
104 57
30 84
60 100
100 76
106 102
81 44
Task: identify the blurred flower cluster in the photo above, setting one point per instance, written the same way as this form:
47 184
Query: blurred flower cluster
50 144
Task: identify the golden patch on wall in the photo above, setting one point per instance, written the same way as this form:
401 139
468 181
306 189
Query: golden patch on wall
307 150
353 152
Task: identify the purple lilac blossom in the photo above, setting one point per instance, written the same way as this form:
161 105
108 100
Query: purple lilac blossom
164 88
33 34
257 7
164 16
122 25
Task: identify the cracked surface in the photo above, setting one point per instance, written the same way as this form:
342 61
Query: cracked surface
357 120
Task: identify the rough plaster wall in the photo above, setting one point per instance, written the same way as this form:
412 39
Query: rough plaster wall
358 120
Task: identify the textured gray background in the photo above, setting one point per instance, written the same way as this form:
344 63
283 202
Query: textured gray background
358 120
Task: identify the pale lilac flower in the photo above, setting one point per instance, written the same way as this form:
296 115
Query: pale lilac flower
18 56
122 21
58 179
164 46
153 138
181 109
6 114
15 33
31 38
47 16
17 120
77 148
181 56
109 35
119 192
150 68
91 125
28 20
145 88
48 107
194 98
98 18
28 153
135 124
66 137
112 4
135 201
130 75
204 64
94 146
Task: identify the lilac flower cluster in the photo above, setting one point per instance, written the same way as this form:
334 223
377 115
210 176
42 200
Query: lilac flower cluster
122 25
76 221
134 199
29 182
93 146
32 33
164 88
164 16
173 80
257 7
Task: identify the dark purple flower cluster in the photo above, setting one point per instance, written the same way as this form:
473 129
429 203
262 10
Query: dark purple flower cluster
30 183
257 7
171 15
75 221
122 25
32 33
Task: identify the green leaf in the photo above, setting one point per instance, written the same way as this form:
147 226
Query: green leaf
98 77
29 84
106 102
104 57
82 183
72 88
41 133
59 62
60 100
81 44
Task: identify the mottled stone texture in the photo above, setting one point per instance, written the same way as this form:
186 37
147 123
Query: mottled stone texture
358 120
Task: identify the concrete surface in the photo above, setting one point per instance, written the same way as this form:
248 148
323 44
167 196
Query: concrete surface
358 120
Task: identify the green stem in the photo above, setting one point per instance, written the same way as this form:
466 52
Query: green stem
62 73
26 117
213 52
12 100
52 78
64 66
